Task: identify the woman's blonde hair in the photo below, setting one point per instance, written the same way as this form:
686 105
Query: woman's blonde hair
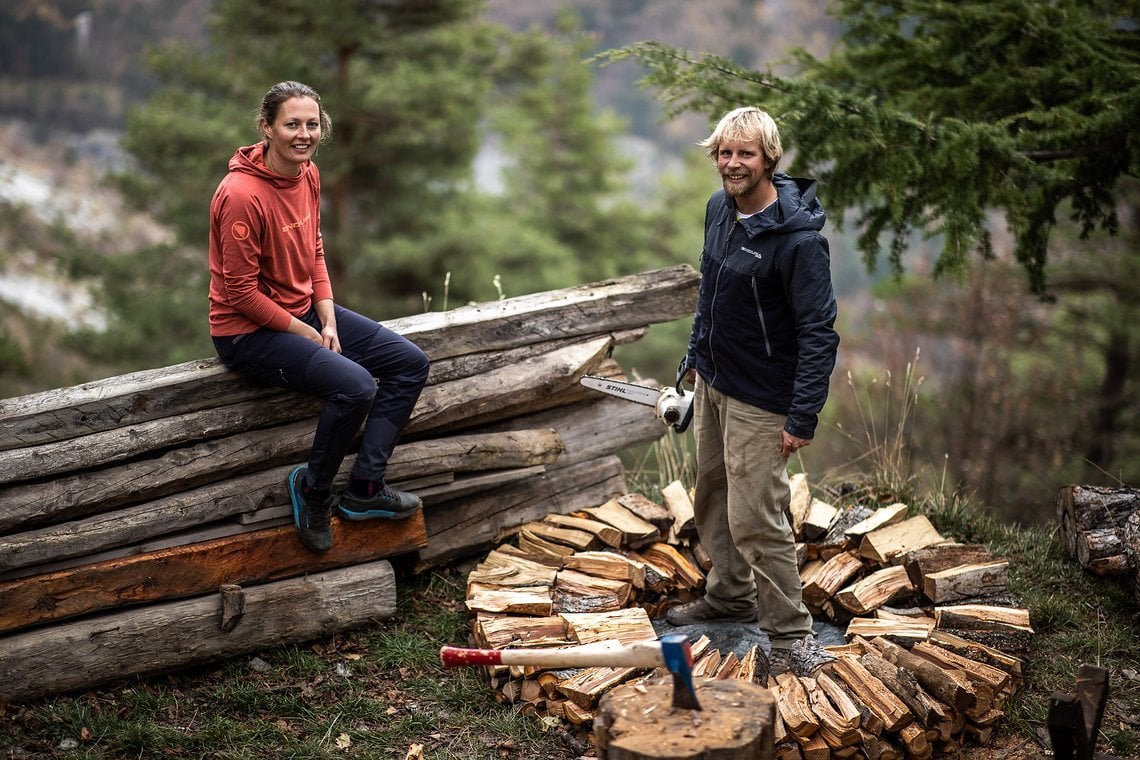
747 124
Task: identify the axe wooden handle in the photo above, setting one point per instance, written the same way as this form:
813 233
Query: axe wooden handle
638 654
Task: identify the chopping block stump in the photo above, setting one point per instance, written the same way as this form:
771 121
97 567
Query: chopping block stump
639 722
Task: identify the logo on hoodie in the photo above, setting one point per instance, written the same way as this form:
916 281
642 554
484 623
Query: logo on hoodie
240 230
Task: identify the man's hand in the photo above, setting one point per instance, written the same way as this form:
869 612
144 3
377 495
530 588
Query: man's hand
789 444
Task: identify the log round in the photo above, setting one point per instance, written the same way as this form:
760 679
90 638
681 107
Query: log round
1085 508
638 722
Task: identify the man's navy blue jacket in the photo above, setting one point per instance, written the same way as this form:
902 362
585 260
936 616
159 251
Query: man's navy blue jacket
764 330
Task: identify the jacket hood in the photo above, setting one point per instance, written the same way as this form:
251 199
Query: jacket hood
797 208
251 160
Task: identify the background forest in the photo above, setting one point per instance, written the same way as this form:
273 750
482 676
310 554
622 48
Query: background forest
983 224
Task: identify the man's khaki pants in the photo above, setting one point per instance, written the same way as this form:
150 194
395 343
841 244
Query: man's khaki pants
741 495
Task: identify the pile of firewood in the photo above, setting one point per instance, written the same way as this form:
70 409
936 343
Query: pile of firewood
144 523
1100 527
912 681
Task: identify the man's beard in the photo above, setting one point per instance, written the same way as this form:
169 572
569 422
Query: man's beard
737 188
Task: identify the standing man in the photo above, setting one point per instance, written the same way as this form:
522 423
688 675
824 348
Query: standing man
761 354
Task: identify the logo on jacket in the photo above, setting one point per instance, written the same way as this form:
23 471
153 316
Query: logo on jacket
240 230
755 254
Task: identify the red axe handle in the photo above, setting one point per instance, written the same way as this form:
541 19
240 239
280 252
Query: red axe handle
637 654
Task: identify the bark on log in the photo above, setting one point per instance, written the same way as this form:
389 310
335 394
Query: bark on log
33 505
183 571
164 637
637 721
1084 508
609 306
548 380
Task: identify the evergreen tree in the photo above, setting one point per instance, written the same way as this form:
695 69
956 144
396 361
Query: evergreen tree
929 115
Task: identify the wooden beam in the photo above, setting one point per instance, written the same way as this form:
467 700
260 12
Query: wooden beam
257 557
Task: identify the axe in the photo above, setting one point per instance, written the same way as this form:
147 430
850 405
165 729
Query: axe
671 650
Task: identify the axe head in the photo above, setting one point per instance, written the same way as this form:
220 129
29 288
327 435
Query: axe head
678 659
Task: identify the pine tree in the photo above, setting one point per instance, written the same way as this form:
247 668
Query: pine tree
930 115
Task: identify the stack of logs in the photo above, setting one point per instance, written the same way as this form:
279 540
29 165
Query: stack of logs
916 681
144 524
1100 527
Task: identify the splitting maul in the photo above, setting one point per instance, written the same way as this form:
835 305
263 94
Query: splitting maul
673 406
671 650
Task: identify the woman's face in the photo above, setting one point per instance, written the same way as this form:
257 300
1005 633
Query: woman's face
293 135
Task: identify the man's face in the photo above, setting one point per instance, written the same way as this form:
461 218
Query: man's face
742 167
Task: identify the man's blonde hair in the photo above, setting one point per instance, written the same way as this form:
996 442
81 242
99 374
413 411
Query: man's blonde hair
747 124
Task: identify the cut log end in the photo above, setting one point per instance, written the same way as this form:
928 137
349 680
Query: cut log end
638 721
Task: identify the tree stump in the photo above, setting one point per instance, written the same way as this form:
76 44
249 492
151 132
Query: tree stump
637 721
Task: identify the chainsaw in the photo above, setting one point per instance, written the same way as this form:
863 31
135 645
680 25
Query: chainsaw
673 406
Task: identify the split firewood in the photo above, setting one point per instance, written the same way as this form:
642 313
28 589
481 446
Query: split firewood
608 565
585 688
841 700
510 550
578 592
872 692
886 543
931 559
814 747
900 631
966 582
837 730
997 678
626 625
800 502
683 571
879 588
729 665
576 540
830 577
502 631
575 714
877 748
905 686
911 614
880 518
837 539
753 666
634 529
535 544
606 534
794 706
653 513
980 734
819 519
1003 628
680 506
978 652
658 578
938 681
500 568
520 600
913 737
705 666
785 746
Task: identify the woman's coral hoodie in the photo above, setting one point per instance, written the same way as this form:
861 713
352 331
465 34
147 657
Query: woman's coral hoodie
267 262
